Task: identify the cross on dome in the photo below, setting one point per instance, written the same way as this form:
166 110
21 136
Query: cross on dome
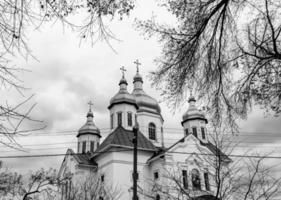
137 64
90 103
123 71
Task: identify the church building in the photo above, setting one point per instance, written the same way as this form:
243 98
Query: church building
110 160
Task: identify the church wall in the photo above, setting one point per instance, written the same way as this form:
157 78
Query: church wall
119 169
124 108
190 159
144 119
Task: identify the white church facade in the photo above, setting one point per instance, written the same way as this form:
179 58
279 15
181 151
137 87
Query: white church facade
111 158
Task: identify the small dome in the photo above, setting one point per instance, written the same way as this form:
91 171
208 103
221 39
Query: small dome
138 77
89 127
193 112
123 96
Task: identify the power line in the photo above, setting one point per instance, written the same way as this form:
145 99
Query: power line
54 155
176 152
74 146
177 130
230 155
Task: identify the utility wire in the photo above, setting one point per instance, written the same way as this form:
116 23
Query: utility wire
206 154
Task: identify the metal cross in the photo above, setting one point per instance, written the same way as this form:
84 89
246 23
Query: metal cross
90 103
123 70
137 63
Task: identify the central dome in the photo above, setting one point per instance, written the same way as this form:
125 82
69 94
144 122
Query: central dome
144 101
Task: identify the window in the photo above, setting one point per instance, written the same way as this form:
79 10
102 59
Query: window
186 131
157 197
195 179
92 146
194 131
203 133
152 131
102 178
206 178
156 175
184 179
84 147
119 118
111 121
130 120
66 189
78 147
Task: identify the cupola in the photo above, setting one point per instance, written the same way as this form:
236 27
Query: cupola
194 121
149 113
144 101
122 106
88 135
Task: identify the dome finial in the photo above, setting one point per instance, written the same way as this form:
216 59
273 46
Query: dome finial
123 71
137 77
90 103
90 114
123 80
137 64
191 97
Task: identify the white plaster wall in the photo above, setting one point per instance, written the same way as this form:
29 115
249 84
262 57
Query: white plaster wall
144 118
189 157
124 108
118 167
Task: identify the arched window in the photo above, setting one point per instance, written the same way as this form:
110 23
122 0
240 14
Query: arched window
92 146
119 118
84 147
194 131
186 131
152 131
196 179
157 197
203 133
206 179
111 121
130 119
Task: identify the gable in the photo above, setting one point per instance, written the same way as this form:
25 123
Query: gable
122 137
188 146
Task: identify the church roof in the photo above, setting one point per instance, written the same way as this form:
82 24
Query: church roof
122 137
215 150
82 159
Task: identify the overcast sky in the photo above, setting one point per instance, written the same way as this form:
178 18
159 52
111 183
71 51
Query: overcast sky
67 75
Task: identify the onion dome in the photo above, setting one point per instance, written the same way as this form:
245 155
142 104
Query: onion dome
123 96
144 101
138 78
89 127
193 112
